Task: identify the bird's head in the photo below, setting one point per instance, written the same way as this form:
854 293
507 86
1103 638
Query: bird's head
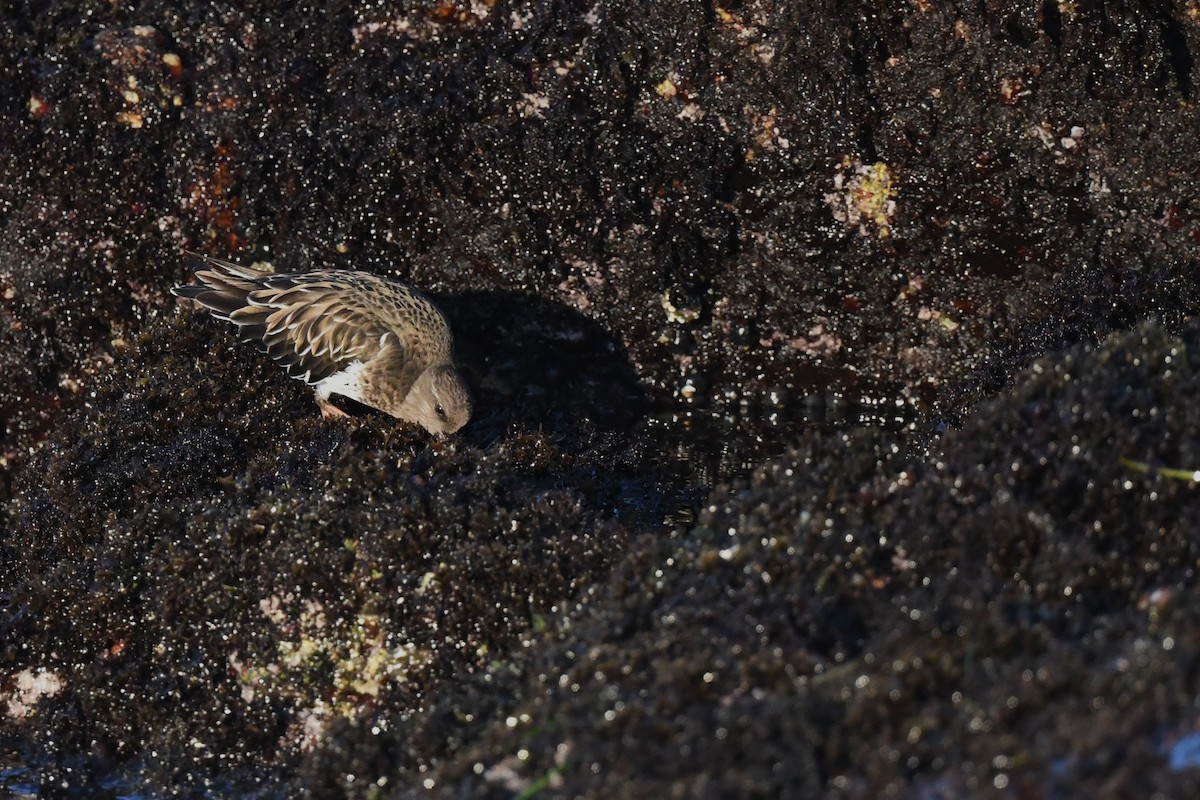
439 401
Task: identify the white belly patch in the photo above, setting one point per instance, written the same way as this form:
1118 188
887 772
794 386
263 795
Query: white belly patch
346 383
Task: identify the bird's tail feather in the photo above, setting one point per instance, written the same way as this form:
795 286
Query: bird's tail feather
223 288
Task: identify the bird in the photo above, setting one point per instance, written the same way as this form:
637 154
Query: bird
347 332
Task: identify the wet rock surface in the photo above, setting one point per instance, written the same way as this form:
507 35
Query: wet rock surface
1012 615
834 371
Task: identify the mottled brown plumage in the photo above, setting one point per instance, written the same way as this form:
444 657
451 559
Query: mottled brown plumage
351 333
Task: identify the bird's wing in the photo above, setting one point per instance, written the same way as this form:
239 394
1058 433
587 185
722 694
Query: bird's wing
313 325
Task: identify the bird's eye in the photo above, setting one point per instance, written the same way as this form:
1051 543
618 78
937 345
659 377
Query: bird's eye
441 412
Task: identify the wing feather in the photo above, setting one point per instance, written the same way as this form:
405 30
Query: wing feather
312 324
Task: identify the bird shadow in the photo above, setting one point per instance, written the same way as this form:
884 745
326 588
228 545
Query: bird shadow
542 367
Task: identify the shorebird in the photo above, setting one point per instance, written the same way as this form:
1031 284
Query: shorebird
344 332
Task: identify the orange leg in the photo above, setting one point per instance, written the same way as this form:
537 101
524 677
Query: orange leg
330 411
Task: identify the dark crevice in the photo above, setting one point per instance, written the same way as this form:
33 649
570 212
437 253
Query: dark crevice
1015 33
865 53
866 143
1052 22
1179 56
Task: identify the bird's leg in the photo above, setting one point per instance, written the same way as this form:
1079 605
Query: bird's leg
328 409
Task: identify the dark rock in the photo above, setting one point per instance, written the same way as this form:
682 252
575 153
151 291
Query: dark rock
858 225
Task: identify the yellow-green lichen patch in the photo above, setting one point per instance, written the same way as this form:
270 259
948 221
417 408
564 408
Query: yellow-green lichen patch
863 196
679 309
340 662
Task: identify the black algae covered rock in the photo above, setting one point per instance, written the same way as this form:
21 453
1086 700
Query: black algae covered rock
1016 616
224 585
680 244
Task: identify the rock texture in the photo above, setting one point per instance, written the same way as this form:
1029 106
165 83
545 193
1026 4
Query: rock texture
879 483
